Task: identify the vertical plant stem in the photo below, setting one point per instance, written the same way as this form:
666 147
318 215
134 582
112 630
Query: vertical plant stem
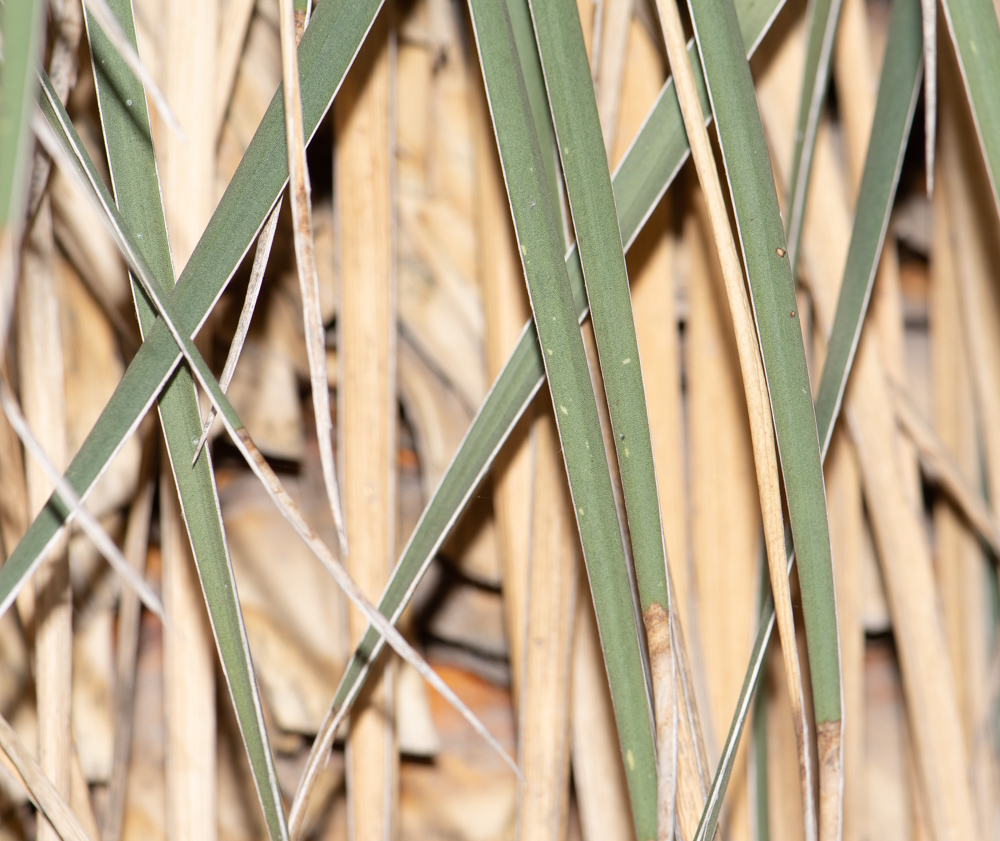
962 570
659 638
536 221
722 487
616 21
21 25
654 302
853 75
367 399
129 614
755 205
967 215
42 395
233 34
653 298
45 406
928 17
506 307
822 16
969 229
692 761
188 179
601 791
544 732
857 81
189 681
906 564
843 489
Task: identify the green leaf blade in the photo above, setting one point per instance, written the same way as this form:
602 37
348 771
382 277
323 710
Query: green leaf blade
128 140
823 17
599 244
21 25
537 225
765 258
898 91
976 35
534 84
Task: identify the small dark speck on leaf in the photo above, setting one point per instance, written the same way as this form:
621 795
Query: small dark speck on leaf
791 314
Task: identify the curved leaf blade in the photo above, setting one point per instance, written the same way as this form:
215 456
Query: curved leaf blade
762 238
538 229
602 259
898 91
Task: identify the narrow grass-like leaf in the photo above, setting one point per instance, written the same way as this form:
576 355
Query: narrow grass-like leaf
602 258
128 140
534 84
645 173
751 184
897 99
21 25
891 124
327 50
538 230
976 36
823 17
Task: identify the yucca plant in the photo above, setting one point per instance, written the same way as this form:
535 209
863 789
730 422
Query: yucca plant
497 192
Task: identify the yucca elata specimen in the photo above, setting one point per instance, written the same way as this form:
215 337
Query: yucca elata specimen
494 163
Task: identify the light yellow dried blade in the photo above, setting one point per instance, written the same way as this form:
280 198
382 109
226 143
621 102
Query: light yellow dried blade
305 258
